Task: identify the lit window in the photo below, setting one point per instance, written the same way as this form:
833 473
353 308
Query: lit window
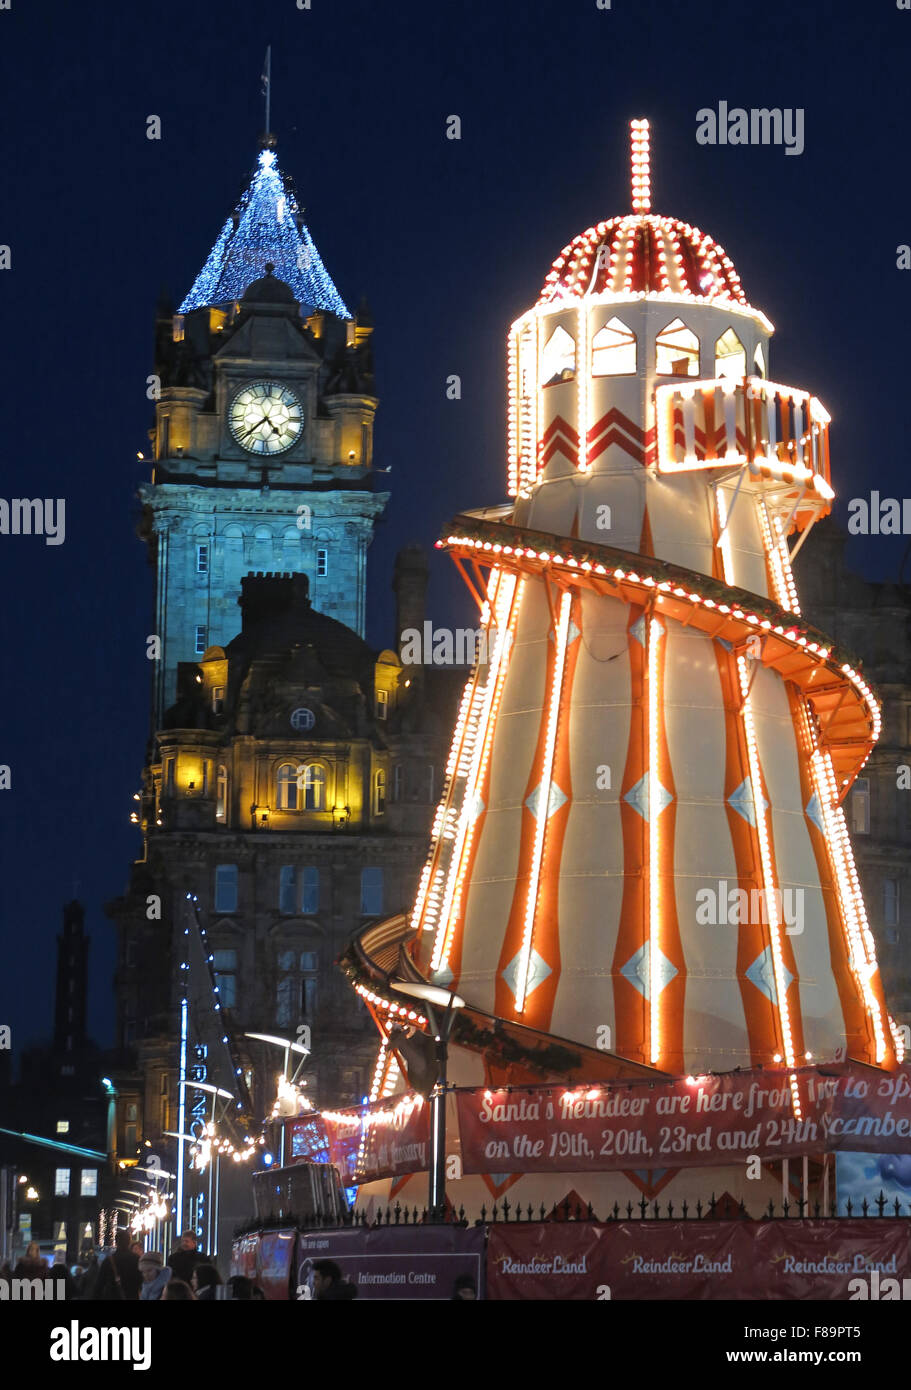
221 793
730 356
200 640
225 967
759 360
398 782
311 781
382 703
61 1182
88 1182
614 350
310 890
226 888
286 788
322 562
202 559
371 892
558 358
379 792
677 351
860 806
63 1126
890 902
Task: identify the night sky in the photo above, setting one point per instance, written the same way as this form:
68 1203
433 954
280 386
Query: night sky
449 241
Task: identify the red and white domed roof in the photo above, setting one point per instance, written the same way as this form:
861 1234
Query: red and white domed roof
641 253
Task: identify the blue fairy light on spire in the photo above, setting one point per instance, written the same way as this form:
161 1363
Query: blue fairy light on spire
266 226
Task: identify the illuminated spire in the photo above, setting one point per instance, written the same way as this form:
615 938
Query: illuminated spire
641 168
267 225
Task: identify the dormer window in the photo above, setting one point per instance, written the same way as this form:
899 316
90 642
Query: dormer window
730 356
558 358
677 350
614 350
382 704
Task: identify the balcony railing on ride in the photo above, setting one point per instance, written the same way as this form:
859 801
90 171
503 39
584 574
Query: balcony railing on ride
781 432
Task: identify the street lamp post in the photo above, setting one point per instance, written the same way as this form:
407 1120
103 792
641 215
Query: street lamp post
440 1006
289 1047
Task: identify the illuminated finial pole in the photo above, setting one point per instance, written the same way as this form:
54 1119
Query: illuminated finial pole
641 170
267 86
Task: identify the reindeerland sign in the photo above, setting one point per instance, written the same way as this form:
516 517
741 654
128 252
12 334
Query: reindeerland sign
768 1260
701 1121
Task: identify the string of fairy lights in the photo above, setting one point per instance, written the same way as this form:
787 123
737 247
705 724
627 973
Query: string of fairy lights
266 226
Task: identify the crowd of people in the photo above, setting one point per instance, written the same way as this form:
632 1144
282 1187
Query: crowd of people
132 1274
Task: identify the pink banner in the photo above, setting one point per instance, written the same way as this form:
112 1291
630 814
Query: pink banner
382 1140
700 1121
787 1260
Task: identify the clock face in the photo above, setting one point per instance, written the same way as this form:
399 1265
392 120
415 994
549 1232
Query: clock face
266 418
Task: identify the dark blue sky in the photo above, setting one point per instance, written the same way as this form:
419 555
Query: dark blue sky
450 241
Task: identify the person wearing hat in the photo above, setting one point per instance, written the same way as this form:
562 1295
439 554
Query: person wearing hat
184 1258
155 1274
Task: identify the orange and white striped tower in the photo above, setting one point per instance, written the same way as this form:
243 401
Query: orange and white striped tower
654 722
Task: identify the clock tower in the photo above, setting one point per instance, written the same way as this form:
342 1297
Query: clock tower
263 433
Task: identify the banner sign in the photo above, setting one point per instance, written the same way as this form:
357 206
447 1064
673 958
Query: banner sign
274 1262
397 1262
690 1122
787 1259
382 1140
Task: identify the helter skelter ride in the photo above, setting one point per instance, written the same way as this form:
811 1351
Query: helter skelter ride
654 717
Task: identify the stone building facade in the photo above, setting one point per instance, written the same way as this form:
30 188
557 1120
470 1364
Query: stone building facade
290 793
873 620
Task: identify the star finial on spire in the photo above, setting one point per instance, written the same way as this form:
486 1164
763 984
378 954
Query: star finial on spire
641 168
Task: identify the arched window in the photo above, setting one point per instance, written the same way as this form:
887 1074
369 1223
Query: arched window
291 549
730 356
379 793
558 358
614 350
262 548
759 360
677 351
311 786
221 793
